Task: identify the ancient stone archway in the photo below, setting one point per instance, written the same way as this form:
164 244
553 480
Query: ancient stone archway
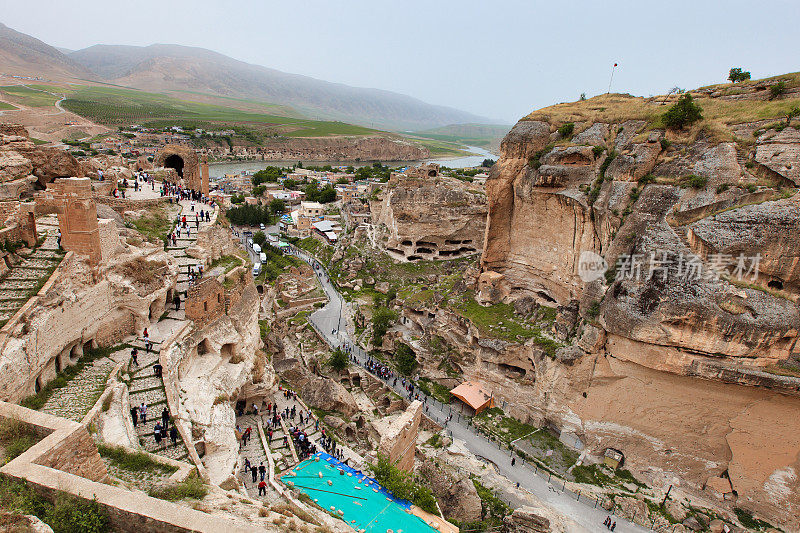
174 161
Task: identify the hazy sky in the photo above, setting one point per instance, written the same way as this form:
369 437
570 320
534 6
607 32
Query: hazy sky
500 59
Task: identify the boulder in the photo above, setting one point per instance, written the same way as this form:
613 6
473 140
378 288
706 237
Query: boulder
525 520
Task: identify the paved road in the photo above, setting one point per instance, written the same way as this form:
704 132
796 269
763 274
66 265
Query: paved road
328 321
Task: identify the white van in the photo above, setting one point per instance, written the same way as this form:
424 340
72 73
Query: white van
263 257
263 227
250 243
256 248
256 269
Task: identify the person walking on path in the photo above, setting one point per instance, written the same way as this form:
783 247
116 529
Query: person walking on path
165 417
262 470
143 412
173 435
134 357
134 415
262 488
157 434
254 473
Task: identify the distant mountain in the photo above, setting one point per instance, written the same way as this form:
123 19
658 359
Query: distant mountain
163 67
23 55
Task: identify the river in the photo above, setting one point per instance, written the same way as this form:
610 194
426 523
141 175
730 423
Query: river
234 167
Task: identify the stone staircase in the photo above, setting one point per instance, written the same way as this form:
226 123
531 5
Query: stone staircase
253 451
145 386
22 280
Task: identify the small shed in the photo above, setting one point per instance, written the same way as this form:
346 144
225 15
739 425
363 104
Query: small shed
613 458
473 395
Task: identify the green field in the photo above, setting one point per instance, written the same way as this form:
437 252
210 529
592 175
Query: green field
6 107
112 106
483 135
32 97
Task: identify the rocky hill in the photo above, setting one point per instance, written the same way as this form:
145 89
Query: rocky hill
23 55
679 249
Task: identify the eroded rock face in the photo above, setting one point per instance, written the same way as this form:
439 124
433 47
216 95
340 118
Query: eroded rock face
437 218
525 520
661 358
20 157
780 153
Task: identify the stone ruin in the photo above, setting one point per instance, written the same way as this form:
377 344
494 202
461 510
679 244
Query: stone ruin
400 440
72 200
190 170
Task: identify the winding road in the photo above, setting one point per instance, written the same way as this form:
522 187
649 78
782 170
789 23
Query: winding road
329 323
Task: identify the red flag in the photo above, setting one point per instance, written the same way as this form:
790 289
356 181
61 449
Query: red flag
615 64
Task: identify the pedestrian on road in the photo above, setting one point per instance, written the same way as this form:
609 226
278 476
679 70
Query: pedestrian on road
173 435
134 355
177 301
165 417
262 470
134 415
613 526
157 433
246 464
513 461
262 488
143 412
254 473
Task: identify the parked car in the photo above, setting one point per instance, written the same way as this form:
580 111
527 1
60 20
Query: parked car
256 269
263 227
263 257
256 248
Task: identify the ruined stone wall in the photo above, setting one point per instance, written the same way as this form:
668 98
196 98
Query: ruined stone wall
205 301
399 443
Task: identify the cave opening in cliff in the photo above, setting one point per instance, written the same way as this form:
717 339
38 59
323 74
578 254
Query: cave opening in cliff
174 161
512 371
775 284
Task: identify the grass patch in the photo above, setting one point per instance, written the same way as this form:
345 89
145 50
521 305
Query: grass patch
4 106
436 390
154 226
227 262
133 461
747 519
66 515
15 438
191 488
505 428
493 509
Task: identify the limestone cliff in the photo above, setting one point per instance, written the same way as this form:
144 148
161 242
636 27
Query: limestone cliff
430 218
692 377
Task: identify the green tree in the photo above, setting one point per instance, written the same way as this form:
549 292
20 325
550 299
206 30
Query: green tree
351 169
401 484
382 319
682 113
736 74
277 206
259 190
259 238
269 174
487 163
777 89
566 129
405 359
338 360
